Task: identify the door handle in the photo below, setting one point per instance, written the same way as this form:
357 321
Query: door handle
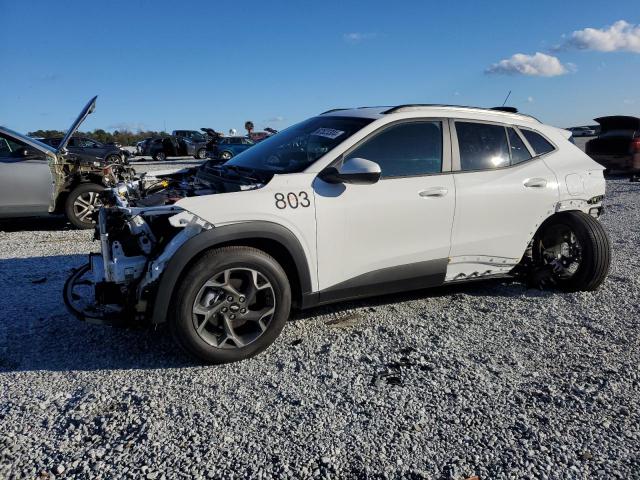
535 183
434 192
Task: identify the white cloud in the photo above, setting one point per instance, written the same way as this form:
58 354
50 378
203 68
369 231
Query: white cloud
530 99
357 37
621 36
540 64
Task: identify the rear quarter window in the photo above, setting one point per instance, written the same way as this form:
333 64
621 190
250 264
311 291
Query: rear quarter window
539 144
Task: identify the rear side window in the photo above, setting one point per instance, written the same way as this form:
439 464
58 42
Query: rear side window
482 146
519 152
406 149
539 144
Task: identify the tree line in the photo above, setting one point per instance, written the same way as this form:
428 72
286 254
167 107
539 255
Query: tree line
123 137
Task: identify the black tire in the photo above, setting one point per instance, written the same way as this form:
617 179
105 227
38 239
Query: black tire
226 155
76 207
113 158
595 255
159 156
201 154
183 320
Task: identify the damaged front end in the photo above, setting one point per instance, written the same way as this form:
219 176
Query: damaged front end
119 284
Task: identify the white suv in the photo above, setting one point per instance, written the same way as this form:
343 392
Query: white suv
348 204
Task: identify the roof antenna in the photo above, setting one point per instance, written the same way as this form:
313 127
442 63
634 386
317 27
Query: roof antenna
505 100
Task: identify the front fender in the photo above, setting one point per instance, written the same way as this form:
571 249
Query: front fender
193 247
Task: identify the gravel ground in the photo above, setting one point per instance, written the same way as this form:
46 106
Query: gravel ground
488 379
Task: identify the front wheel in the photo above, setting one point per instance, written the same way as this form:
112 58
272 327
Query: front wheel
226 155
574 248
112 159
230 305
81 204
201 154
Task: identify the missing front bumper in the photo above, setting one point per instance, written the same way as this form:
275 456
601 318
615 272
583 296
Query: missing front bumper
89 299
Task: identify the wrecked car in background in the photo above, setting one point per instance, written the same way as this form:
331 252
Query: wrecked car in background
36 178
161 148
89 150
617 146
229 147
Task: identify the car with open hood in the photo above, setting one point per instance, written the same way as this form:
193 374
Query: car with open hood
617 146
90 150
348 204
37 178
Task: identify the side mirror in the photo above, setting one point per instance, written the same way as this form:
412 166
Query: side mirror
357 171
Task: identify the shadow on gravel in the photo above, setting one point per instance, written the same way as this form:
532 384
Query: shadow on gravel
38 334
44 223
503 288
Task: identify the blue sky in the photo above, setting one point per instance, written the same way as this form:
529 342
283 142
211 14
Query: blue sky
193 64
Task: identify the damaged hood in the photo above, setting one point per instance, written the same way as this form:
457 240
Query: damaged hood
86 111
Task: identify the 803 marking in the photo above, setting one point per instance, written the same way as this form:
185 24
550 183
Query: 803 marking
292 200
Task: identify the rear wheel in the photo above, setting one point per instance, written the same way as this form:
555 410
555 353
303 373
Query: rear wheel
230 305
574 249
226 155
81 204
159 156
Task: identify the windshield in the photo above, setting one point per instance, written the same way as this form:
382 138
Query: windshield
297 147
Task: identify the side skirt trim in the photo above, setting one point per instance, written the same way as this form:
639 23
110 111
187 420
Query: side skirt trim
402 278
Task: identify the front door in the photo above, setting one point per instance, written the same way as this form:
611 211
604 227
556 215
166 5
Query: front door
503 193
25 179
395 234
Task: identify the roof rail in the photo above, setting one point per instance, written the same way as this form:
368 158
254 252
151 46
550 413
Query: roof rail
505 109
501 109
334 110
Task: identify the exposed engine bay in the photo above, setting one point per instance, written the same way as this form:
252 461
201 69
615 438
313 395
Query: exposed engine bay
209 178
140 229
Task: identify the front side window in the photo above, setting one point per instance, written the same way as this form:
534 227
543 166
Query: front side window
86 143
297 147
14 149
539 144
519 152
482 146
406 149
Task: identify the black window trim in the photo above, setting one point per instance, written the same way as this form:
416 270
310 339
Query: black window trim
531 149
446 145
456 164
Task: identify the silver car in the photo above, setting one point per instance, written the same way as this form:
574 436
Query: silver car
37 179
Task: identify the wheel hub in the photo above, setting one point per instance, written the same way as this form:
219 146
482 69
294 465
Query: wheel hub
233 308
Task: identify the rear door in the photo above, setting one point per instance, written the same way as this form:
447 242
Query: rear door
503 192
25 179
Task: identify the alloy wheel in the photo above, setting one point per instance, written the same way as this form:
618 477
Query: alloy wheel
234 308
85 204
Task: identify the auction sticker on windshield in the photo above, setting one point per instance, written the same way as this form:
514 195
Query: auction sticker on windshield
331 133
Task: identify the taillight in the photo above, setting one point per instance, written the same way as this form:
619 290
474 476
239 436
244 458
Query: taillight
635 145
